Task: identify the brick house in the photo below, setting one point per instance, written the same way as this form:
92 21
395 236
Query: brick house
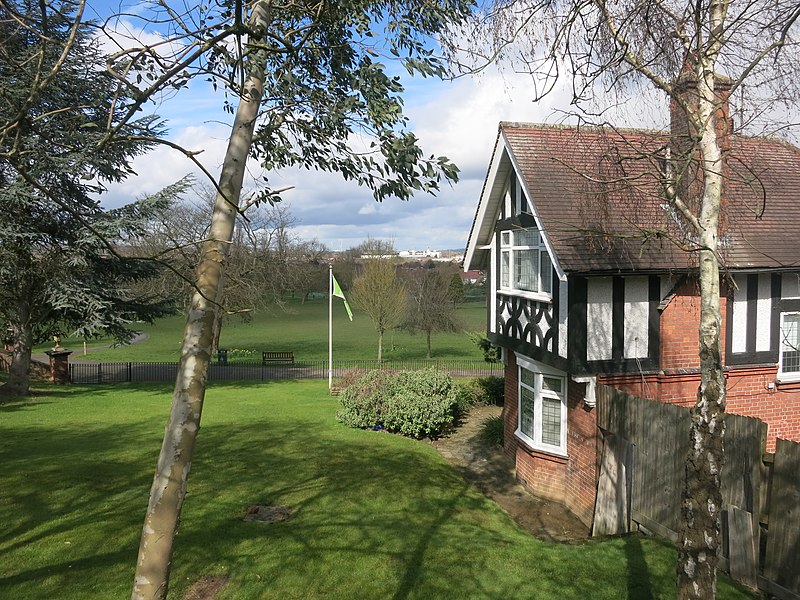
585 287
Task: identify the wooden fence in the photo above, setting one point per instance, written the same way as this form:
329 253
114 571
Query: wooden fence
641 481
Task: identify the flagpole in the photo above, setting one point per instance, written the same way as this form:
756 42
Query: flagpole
330 326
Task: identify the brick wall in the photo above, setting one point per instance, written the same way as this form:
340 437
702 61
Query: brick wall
752 391
571 480
679 322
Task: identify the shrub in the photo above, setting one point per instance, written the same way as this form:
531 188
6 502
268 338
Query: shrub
349 377
422 403
363 401
494 388
491 354
492 431
483 391
413 403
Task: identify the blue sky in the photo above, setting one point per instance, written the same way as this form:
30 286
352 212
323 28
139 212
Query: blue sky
454 118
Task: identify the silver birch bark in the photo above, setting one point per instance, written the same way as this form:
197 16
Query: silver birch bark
174 463
702 498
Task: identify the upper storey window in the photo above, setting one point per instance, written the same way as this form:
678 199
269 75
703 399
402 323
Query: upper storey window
524 263
790 345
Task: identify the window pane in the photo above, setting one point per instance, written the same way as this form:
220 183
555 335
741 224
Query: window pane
527 377
790 287
547 273
524 206
551 383
526 237
505 238
527 269
551 421
790 343
526 412
505 267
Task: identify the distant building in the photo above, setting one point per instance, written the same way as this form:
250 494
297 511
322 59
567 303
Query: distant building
473 277
420 254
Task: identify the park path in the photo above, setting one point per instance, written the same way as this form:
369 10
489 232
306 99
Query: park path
492 472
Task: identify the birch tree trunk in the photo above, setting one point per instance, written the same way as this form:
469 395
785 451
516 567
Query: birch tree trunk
698 554
174 462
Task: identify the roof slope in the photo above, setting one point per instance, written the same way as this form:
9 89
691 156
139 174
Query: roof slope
599 195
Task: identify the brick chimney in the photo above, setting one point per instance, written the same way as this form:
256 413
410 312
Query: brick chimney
684 136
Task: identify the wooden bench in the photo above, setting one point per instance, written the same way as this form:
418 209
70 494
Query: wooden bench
277 357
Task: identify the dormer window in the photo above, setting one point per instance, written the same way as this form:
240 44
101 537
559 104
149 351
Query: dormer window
524 263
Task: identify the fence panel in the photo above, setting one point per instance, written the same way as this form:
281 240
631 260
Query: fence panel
659 433
783 538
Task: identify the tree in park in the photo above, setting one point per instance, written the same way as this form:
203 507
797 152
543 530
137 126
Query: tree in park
308 91
697 54
431 305
456 289
61 269
380 293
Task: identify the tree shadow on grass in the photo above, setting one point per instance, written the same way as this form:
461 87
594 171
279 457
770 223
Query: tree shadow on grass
639 583
374 515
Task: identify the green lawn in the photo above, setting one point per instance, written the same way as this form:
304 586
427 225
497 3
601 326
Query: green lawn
375 515
303 329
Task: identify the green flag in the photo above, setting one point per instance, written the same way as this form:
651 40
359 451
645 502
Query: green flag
337 291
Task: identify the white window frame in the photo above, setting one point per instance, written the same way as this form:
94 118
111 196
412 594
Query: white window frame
534 439
511 247
792 375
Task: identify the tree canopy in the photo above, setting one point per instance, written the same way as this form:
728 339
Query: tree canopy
308 91
379 292
60 265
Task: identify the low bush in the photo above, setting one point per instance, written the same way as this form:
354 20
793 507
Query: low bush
363 400
492 431
412 403
483 391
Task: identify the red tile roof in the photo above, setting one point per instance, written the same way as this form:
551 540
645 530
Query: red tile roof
599 195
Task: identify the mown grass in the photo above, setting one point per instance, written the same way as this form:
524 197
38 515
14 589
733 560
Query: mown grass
375 515
303 329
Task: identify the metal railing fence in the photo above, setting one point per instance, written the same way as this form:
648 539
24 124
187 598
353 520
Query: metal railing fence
254 370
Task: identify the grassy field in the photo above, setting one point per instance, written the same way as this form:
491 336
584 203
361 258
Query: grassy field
303 329
374 515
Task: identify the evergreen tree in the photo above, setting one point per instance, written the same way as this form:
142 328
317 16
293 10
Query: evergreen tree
61 269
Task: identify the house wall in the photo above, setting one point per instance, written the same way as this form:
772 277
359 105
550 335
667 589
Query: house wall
571 480
753 391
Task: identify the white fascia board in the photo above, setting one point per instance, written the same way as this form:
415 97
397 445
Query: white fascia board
488 205
562 276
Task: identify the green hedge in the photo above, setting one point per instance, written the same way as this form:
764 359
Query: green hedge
412 403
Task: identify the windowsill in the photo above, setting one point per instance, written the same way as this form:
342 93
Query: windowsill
538 297
788 378
548 452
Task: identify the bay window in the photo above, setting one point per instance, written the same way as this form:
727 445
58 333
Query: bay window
542 410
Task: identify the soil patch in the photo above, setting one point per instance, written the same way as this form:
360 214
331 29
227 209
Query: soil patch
267 514
492 472
206 587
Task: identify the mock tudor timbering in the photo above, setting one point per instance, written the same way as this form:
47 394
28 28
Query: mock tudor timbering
584 283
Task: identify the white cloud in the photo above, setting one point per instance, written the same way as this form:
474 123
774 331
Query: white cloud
458 119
